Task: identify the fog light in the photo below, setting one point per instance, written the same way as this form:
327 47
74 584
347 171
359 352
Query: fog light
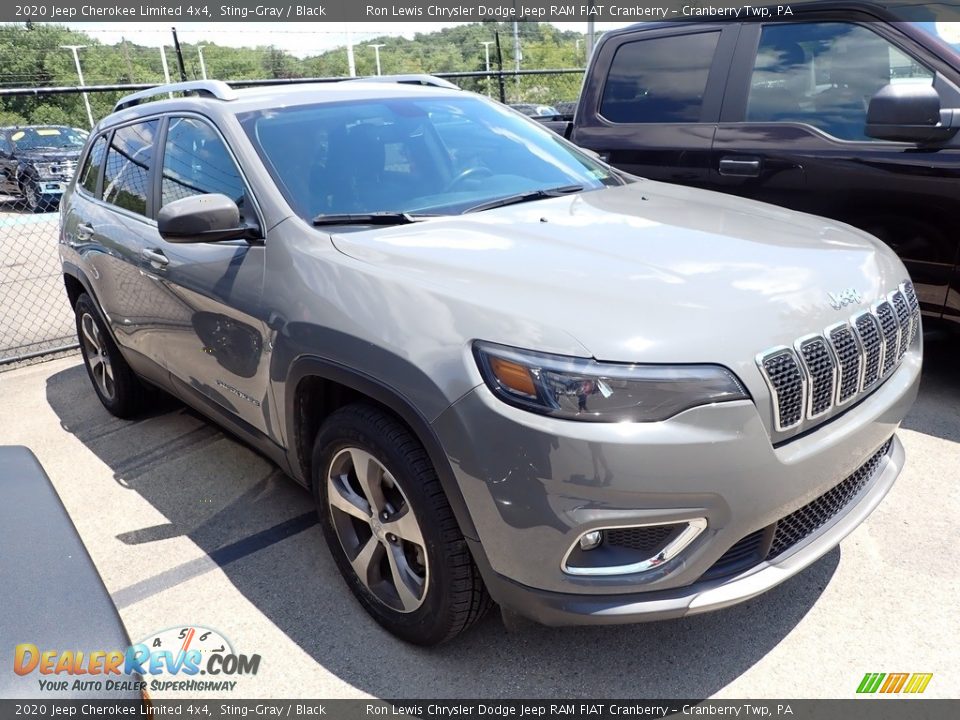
591 540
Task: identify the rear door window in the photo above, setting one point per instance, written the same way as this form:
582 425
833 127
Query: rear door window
660 80
91 166
129 159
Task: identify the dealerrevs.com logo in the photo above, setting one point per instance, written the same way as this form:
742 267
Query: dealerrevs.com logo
191 658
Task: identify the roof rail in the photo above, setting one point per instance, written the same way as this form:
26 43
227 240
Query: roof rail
411 79
211 88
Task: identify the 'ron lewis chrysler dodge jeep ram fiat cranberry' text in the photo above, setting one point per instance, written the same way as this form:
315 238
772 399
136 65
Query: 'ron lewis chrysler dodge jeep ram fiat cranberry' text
505 370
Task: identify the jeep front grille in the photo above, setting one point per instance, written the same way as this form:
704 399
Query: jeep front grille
823 371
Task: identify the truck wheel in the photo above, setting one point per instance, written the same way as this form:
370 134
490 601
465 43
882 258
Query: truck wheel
113 380
390 528
33 195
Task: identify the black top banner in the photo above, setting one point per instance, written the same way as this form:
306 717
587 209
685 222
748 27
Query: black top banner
168 11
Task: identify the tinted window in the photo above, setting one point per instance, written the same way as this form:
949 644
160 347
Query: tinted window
52 136
126 179
824 74
661 80
91 168
438 155
196 162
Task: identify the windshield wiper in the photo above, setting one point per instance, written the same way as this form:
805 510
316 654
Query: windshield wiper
526 197
376 218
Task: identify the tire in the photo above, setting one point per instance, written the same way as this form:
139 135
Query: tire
33 196
421 583
113 380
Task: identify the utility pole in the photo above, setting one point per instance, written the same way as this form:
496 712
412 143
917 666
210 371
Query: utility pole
76 61
351 60
500 88
203 66
376 49
180 65
486 52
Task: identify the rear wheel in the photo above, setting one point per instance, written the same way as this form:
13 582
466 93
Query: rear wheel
113 380
390 528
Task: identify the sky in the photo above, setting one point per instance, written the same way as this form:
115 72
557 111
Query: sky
299 39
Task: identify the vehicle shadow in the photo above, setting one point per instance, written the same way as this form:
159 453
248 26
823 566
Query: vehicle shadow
937 410
260 528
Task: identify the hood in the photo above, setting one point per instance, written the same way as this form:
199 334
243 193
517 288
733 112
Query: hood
647 272
48 154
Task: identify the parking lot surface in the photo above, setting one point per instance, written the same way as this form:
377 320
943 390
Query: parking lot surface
189 527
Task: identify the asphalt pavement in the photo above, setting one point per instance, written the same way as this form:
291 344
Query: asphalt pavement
189 527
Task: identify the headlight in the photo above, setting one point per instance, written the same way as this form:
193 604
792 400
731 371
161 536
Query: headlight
581 389
44 170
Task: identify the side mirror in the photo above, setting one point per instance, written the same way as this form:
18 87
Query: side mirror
202 218
910 113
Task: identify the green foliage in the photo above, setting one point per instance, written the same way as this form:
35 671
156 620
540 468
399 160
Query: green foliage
34 58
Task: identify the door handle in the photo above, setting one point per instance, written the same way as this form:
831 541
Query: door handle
156 257
740 167
84 232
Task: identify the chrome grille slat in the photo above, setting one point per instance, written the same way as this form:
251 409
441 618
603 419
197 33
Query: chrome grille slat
849 354
821 374
786 380
826 370
913 302
891 335
899 303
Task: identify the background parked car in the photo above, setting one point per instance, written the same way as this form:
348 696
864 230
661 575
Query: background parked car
531 110
781 112
37 162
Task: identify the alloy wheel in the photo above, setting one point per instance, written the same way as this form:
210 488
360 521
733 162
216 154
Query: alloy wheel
95 353
377 529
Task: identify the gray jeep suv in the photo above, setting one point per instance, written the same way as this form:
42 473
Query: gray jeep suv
506 371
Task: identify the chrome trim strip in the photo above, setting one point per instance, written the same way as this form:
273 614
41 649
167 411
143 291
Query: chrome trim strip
693 528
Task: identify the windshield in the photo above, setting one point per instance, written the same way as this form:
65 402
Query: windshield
946 32
413 155
34 138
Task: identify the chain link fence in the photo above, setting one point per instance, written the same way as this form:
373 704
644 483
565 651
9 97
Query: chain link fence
37 160
35 316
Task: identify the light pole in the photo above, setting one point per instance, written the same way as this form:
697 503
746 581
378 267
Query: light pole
376 49
203 66
590 31
486 52
76 60
166 69
578 49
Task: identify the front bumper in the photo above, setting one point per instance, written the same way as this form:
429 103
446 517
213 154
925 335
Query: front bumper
534 484
551 608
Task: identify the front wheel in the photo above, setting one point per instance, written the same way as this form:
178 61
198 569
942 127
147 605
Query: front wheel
390 528
33 196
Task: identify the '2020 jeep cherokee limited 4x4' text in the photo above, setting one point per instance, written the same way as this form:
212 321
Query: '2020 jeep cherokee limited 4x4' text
505 370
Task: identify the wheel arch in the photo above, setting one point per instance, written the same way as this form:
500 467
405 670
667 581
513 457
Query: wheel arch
315 387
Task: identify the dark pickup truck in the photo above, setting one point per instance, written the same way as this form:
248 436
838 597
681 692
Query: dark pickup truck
843 111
